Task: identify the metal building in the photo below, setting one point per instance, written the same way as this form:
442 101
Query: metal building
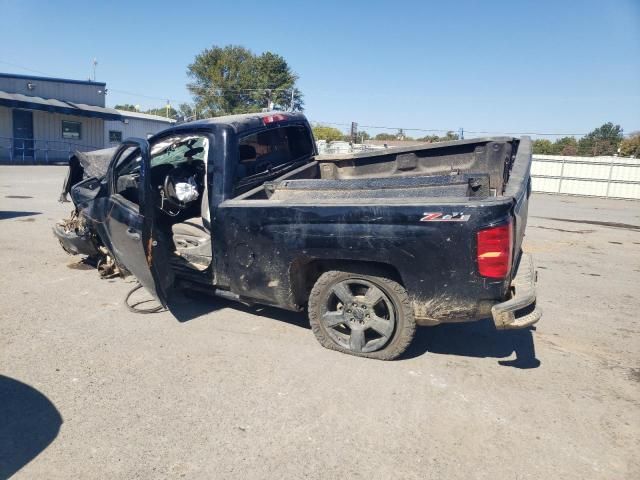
133 124
43 120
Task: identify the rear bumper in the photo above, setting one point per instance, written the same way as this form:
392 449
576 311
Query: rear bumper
520 311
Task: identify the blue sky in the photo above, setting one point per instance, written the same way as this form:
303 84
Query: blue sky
502 66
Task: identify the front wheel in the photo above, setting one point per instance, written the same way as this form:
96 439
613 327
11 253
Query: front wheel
361 314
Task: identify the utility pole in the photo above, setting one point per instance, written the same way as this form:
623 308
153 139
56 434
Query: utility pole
354 132
461 133
95 64
168 107
268 95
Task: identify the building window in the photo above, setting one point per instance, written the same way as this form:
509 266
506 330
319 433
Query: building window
71 130
115 136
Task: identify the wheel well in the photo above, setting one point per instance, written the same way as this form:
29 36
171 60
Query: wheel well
305 273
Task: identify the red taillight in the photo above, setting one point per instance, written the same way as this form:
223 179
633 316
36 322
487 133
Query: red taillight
494 251
277 117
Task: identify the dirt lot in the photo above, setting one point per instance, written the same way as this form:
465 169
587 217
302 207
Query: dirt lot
89 390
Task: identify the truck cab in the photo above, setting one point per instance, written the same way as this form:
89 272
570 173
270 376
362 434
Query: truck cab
158 204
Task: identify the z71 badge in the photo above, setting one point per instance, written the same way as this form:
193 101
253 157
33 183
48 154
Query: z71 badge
441 217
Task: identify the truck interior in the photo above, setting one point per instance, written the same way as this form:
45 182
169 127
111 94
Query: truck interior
269 154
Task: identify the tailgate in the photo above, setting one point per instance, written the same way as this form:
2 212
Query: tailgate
519 189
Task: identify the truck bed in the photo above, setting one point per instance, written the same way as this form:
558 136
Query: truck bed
442 186
418 209
464 169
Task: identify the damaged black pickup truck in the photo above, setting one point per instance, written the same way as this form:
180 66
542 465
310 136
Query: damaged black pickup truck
371 243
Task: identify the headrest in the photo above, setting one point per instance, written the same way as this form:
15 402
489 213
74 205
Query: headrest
247 152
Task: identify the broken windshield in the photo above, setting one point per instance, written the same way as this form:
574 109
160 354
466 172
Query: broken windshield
176 150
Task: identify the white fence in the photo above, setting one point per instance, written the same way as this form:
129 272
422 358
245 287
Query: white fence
613 177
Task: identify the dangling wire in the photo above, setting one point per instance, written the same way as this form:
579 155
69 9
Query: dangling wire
133 307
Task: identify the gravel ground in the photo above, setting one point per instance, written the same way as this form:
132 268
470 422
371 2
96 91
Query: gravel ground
88 389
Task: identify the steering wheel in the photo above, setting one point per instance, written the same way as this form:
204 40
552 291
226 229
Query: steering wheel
170 202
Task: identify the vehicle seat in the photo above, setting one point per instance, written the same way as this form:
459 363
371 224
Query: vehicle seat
192 237
194 231
193 242
189 233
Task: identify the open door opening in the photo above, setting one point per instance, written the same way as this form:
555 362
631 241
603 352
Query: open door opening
179 172
130 225
159 224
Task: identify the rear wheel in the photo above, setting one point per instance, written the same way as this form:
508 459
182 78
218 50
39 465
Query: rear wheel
361 314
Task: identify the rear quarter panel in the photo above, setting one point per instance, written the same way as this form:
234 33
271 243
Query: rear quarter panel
436 260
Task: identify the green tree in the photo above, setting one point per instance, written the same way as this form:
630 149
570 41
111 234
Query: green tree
429 139
630 147
450 136
603 140
386 136
126 107
330 134
543 147
232 79
187 111
276 83
362 136
565 146
402 136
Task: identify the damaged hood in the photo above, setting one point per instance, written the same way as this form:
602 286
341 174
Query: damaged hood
96 163
84 165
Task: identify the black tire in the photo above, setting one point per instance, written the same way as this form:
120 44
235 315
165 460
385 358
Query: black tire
381 330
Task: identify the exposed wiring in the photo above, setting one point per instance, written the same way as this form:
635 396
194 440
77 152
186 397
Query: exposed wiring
134 307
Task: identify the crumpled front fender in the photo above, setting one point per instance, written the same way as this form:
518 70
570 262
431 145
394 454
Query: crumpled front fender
76 237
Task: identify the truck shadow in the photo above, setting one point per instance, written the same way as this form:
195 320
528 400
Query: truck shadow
188 307
29 422
476 339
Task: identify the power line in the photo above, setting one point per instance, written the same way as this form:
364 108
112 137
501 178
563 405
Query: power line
151 97
377 127
217 92
111 89
390 128
531 133
272 88
133 94
23 68
261 89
